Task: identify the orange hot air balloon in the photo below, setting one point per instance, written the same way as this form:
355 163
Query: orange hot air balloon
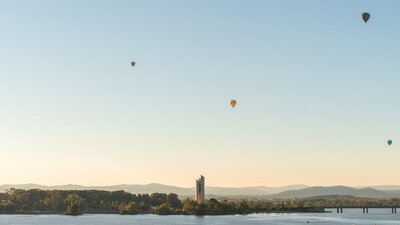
233 103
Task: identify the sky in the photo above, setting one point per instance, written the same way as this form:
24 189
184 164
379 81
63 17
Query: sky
317 92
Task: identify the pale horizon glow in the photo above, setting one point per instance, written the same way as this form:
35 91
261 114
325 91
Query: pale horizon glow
316 90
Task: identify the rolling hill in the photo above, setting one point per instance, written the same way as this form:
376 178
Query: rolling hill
334 190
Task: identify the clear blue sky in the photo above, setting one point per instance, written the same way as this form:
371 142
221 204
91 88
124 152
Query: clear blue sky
317 92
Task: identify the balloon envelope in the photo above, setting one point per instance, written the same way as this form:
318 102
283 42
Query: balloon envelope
365 17
389 142
133 64
233 103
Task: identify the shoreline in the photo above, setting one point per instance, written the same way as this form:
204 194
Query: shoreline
113 213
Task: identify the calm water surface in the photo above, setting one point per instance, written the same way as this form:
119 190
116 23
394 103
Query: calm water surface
350 216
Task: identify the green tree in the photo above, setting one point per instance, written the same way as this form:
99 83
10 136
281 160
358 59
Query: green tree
54 201
188 207
130 208
173 201
200 209
164 209
74 204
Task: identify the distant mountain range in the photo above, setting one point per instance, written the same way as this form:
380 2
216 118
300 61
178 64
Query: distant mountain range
336 190
154 187
284 192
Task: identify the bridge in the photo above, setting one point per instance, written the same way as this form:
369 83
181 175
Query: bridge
365 209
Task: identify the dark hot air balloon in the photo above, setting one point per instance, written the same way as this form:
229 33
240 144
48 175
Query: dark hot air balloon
133 63
389 142
365 17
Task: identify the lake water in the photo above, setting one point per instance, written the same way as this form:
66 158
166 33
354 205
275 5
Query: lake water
350 216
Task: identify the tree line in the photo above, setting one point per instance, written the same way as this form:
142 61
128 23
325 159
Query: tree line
75 202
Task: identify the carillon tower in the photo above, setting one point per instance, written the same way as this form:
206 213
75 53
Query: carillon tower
200 190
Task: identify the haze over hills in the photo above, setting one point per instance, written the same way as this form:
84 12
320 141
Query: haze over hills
386 187
284 192
134 189
335 190
154 187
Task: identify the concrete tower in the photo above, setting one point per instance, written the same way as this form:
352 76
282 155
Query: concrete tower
200 190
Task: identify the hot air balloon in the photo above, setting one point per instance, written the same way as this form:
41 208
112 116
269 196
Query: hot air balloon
365 17
233 103
133 63
389 142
